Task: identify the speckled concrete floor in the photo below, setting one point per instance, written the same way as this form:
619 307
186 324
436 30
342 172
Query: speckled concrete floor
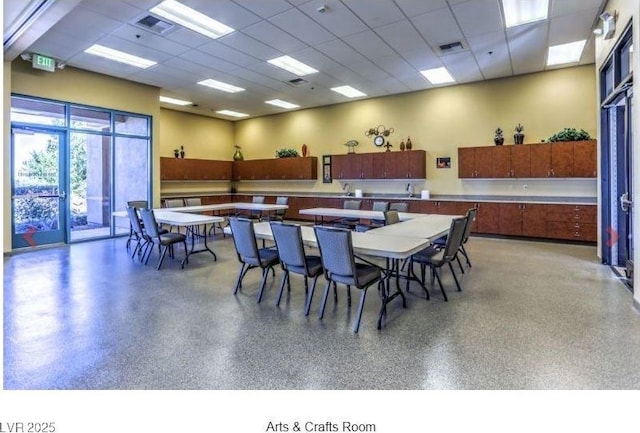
532 316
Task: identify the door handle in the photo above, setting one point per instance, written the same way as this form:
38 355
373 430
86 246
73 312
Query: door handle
625 203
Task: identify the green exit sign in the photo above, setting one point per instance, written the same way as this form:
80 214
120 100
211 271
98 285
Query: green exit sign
43 62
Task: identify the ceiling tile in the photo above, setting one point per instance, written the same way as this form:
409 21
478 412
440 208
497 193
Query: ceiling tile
148 39
250 46
117 10
421 59
438 27
188 38
478 17
337 18
86 25
402 37
413 8
369 44
496 64
463 67
210 62
59 45
571 28
340 52
225 11
528 47
263 8
302 27
232 55
375 13
564 7
274 37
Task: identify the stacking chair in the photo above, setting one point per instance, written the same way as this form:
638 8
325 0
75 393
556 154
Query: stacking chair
138 233
338 262
138 204
254 214
436 258
173 202
192 201
288 238
279 214
380 206
349 223
165 241
400 207
440 243
244 239
391 217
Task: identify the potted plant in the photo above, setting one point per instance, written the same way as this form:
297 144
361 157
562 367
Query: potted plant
570 134
181 151
286 153
176 153
518 137
498 138
237 156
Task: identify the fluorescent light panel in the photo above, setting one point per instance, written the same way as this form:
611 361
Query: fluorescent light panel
190 18
438 75
517 12
220 86
281 103
175 101
292 65
232 113
119 56
565 53
348 91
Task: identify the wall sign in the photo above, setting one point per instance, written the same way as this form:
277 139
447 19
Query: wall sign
443 162
326 169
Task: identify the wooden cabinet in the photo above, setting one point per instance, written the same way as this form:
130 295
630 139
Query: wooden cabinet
510 219
380 165
574 222
523 219
178 169
305 168
488 218
541 160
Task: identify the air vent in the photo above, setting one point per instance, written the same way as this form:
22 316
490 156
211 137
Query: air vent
154 24
453 47
297 82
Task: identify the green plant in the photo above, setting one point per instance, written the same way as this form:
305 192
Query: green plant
286 153
570 134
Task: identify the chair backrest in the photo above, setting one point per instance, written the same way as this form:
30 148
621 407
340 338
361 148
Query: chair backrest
380 206
454 238
173 202
471 217
391 217
352 204
282 200
400 207
134 220
150 224
258 199
244 239
140 204
193 201
288 238
336 251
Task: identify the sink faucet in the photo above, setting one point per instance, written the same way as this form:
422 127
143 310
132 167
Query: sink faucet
409 189
347 189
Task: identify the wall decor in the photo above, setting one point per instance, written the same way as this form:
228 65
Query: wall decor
443 162
326 169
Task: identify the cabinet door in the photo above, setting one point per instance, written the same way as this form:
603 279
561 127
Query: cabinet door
488 217
172 169
396 165
416 164
448 208
562 230
534 220
510 219
338 166
520 161
562 159
423 206
540 160
466 162
501 162
379 167
367 167
222 170
483 162
584 158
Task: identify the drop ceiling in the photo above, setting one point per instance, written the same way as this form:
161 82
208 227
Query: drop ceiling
376 46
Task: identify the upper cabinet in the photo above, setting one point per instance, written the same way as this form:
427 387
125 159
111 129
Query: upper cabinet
409 164
301 168
178 169
542 160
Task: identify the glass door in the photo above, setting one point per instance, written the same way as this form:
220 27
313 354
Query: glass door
38 187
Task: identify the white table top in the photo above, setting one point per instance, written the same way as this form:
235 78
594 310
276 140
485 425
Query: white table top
392 247
355 213
431 227
185 219
226 206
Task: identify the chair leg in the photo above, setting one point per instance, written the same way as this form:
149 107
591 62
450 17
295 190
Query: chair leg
186 254
459 264
466 256
263 283
324 298
348 296
285 277
335 292
240 276
455 278
164 252
440 284
310 295
356 325
306 285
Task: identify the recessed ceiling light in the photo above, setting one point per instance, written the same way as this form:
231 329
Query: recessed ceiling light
220 86
191 19
438 75
565 53
517 12
175 101
348 91
119 56
292 65
281 103
232 113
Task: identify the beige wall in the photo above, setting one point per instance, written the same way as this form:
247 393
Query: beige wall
439 121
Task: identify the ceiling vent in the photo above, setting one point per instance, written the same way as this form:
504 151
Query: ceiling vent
453 47
154 25
297 82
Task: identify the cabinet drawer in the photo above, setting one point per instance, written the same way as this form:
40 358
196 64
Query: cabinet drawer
568 212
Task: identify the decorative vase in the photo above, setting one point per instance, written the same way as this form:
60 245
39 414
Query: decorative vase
304 150
408 145
182 154
176 153
402 145
518 138
498 141
238 156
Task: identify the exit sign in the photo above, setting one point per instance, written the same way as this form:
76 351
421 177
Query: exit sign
43 62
